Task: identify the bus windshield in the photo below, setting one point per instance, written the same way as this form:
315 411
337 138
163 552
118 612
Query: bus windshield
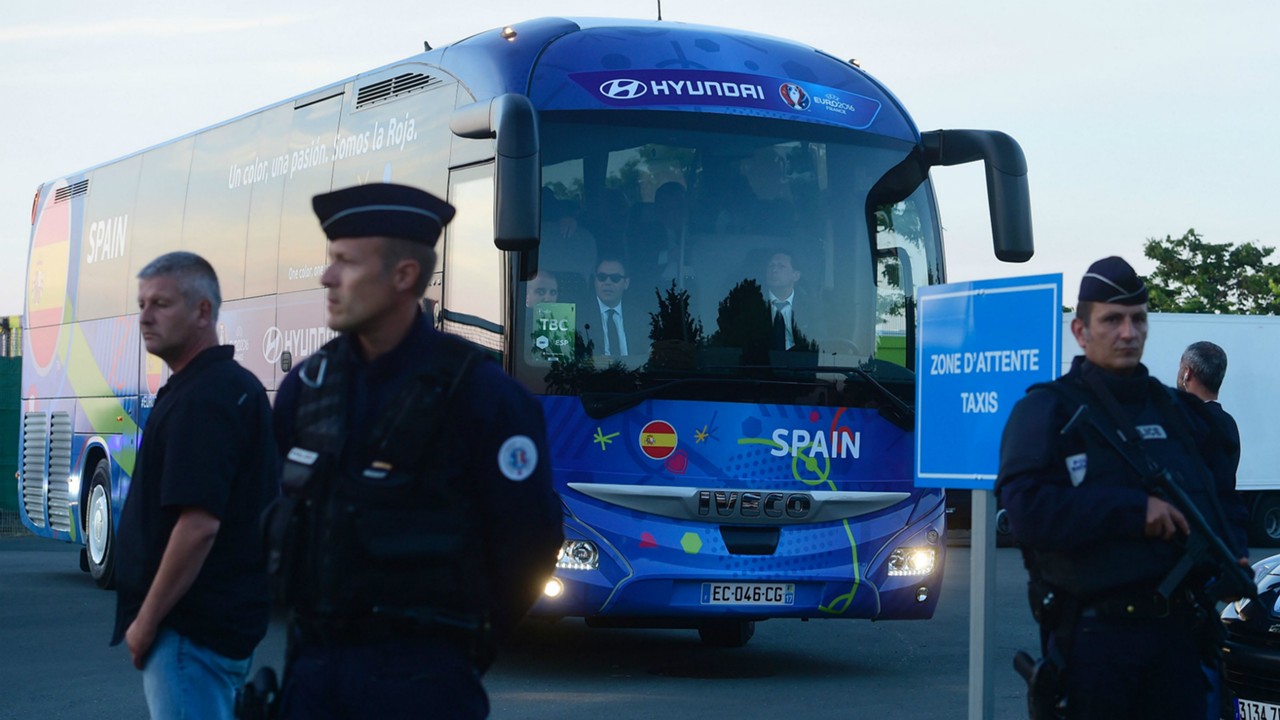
686 256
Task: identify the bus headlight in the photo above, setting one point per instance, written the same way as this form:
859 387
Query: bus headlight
578 555
911 562
553 589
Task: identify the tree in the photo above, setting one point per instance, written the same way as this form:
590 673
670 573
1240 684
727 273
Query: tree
676 334
1193 275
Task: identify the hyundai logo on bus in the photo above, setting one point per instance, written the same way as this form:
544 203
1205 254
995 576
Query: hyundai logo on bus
623 89
299 341
630 89
711 88
755 504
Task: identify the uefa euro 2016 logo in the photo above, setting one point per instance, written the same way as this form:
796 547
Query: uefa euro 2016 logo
795 96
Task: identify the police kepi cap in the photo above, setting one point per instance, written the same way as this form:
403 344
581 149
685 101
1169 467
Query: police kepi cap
382 210
1112 280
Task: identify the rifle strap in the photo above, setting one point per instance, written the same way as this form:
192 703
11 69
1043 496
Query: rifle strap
1113 420
1177 427
419 411
1121 425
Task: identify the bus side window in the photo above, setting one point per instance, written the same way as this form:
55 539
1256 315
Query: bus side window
303 250
262 247
474 284
162 200
109 224
225 167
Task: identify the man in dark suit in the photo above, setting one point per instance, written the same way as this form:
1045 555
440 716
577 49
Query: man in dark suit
622 329
794 319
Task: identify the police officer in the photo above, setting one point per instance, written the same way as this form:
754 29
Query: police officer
419 522
1098 543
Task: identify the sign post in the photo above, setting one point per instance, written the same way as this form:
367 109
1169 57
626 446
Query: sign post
981 345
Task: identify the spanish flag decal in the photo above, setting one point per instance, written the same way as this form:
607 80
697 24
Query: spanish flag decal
658 439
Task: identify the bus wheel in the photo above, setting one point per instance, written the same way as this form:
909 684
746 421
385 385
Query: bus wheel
726 633
100 536
1265 521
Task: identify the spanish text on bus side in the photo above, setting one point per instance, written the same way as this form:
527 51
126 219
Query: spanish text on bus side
698 247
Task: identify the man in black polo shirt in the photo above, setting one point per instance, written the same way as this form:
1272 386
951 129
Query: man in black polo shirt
1200 372
193 600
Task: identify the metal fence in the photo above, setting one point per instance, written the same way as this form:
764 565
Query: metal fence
10 336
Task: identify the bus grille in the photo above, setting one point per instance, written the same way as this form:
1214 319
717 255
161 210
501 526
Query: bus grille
46 469
67 192
60 472
393 88
35 444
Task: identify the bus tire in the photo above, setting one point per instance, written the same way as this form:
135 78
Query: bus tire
726 633
99 531
1264 521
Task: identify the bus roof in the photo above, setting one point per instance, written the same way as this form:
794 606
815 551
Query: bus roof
611 63
601 63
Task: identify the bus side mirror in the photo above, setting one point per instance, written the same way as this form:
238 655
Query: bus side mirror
513 122
1008 195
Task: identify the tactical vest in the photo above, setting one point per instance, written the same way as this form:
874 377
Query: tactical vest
1092 571
401 536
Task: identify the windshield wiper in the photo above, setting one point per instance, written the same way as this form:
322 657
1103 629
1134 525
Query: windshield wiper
898 412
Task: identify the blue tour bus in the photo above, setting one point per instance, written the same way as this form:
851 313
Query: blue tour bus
698 246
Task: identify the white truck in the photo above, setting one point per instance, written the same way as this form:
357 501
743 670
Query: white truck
1250 392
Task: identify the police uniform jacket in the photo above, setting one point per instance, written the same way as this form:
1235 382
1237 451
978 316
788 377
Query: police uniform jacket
519 515
1073 500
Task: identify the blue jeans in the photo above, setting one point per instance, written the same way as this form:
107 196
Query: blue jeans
186 681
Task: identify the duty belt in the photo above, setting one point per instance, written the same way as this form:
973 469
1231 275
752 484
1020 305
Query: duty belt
1144 606
379 628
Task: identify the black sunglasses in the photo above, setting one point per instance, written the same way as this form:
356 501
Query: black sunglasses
611 277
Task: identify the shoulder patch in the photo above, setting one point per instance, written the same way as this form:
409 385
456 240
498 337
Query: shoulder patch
518 457
1077 466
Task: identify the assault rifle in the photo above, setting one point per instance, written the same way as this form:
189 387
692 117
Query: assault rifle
1204 553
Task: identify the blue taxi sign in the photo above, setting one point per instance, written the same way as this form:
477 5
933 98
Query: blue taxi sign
982 344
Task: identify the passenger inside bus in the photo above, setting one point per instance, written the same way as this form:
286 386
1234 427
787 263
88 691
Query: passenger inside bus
607 219
795 317
770 210
658 241
542 288
615 325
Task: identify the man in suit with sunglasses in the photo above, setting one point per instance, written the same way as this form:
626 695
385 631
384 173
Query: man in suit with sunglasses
615 328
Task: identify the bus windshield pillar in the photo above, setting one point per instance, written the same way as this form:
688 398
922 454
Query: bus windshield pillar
513 122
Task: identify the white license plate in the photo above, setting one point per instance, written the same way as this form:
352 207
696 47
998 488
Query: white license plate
748 593
1250 710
